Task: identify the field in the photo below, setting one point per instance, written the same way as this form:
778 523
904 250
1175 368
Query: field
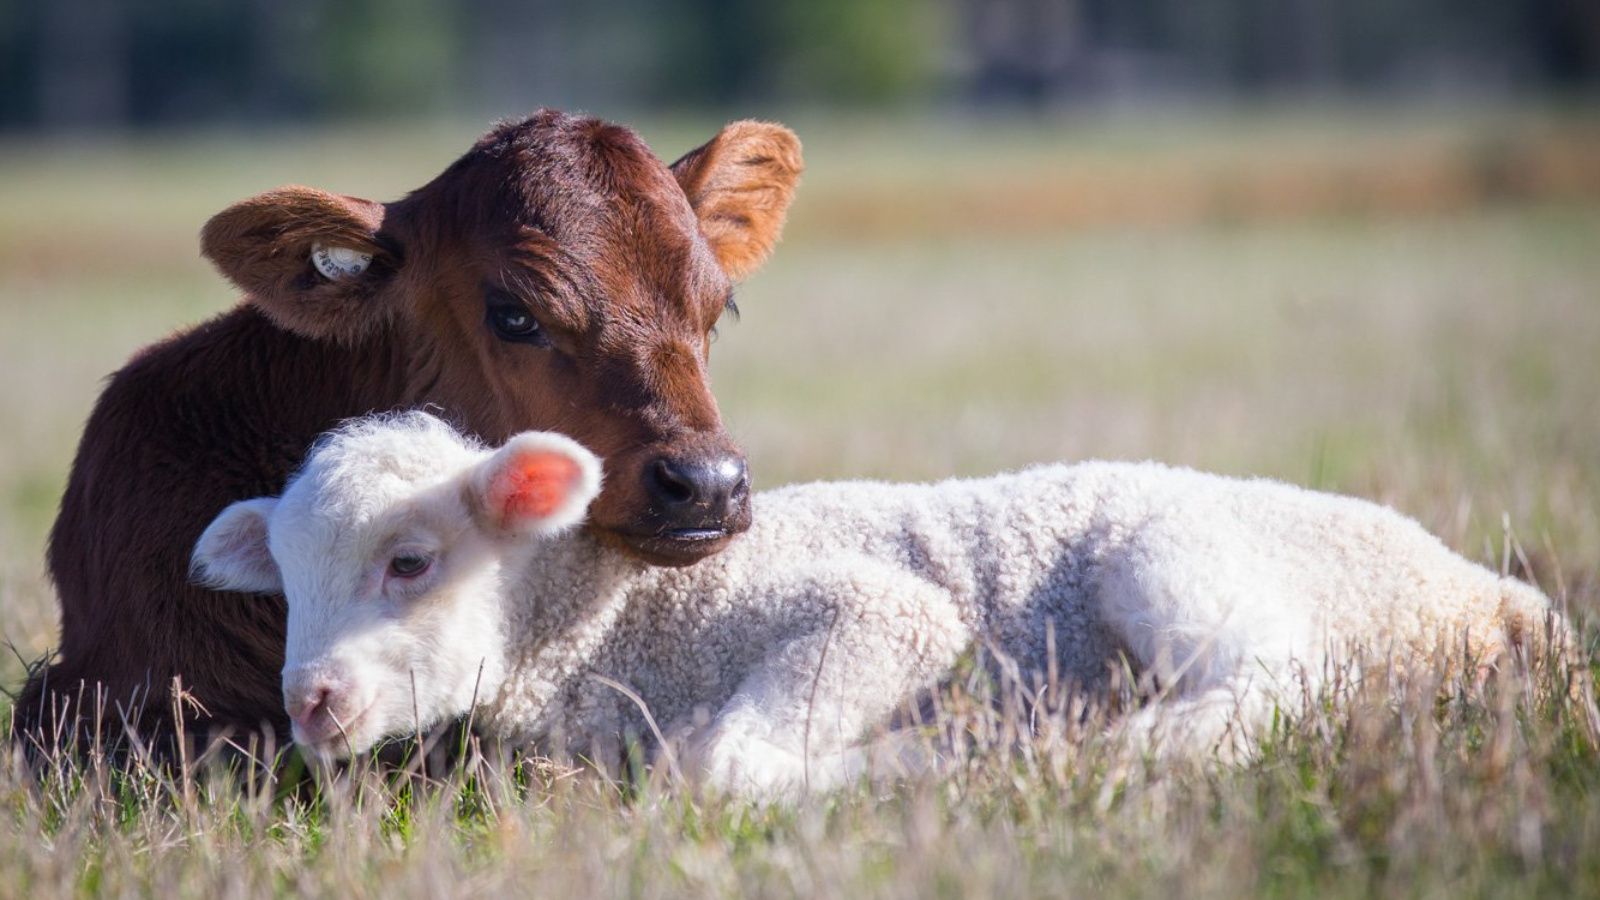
1401 307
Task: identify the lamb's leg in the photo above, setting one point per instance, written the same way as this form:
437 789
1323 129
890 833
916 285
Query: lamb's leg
795 722
1222 723
748 750
1219 630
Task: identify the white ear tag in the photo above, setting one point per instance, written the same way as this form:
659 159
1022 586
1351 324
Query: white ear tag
337 263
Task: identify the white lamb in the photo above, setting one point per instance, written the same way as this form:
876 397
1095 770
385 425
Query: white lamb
426 574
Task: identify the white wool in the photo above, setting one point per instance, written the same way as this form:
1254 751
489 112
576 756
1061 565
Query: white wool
778 655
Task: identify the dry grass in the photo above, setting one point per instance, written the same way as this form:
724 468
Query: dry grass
1385 788
1441 356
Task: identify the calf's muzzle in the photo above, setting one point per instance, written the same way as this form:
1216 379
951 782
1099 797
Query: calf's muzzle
700 490
696 499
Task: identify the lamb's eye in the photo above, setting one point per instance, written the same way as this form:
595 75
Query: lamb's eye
409 565
513 322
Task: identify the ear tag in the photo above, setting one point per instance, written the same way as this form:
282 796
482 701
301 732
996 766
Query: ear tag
338 263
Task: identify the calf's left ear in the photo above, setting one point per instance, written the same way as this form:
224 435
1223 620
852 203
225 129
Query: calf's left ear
232 553
313 261
539 483
740 184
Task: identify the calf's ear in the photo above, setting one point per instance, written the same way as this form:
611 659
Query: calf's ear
539 483
232 553
311 260
740 184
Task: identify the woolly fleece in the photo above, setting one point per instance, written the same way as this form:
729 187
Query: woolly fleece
771 661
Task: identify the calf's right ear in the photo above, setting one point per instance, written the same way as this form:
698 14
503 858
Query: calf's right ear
740 184
311 260
539 483
232 553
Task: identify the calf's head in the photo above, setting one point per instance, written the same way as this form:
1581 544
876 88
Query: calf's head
389 545
558 276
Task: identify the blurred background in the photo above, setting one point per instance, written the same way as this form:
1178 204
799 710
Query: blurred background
1354 244
110 64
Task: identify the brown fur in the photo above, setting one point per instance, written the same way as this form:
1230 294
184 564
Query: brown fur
625 262
740 184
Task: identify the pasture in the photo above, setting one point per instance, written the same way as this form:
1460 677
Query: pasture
1402 307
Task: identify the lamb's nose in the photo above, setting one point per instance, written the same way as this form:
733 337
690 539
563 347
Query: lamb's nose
310 705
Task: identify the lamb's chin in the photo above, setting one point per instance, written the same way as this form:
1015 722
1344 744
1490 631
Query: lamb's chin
353 742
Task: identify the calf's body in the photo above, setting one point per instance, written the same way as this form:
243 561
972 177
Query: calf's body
188 426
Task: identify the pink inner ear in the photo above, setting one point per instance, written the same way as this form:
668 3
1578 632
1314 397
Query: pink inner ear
533 485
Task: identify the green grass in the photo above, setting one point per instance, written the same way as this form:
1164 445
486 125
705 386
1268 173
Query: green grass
1443 357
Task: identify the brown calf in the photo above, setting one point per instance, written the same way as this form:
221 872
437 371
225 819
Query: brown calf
557 276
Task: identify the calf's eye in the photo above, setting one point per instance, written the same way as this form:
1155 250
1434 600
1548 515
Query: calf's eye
408 565
514 323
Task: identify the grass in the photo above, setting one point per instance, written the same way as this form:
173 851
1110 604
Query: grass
955 299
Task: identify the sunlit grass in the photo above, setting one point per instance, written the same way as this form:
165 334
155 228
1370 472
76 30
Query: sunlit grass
1382 787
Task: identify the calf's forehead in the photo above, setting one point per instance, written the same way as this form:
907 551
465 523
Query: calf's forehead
595 190
574 176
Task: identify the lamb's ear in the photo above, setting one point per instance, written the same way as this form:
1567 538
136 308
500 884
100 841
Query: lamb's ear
312 261
232 553
740 184
539 483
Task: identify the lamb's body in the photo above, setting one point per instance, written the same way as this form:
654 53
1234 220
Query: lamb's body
844 600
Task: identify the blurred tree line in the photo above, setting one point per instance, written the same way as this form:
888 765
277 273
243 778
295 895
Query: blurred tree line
76 64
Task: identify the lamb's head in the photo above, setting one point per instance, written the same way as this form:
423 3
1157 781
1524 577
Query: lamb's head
388 545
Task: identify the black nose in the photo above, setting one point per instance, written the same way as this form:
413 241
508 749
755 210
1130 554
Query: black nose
710 485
